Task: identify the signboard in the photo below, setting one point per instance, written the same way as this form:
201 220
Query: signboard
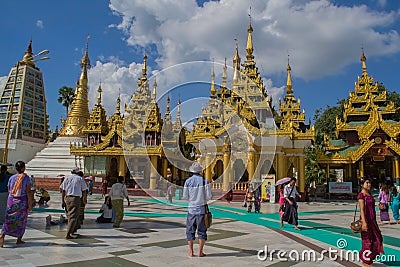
345 187
268 187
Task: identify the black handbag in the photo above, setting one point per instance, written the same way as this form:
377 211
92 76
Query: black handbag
356 225
207 214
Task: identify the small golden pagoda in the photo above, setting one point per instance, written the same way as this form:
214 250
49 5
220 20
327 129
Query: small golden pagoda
78 116
366 141
293 135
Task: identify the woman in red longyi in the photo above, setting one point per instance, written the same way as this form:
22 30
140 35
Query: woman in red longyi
371 237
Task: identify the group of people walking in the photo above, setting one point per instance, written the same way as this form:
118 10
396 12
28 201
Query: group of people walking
16 192
196 191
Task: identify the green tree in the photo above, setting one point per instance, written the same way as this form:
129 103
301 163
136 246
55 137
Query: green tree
325 120
66 96
313 171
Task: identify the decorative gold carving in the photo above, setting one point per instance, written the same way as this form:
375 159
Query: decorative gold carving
393 145
357 154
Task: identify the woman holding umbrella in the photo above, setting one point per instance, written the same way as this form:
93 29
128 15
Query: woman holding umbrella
281 183
290 213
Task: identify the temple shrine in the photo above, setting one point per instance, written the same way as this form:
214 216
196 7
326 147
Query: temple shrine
366 142
239 137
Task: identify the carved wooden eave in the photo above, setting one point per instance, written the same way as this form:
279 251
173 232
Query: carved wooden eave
357 154
351 157
393 130
366 130
335 159
89 151
393 145
356 99
145 151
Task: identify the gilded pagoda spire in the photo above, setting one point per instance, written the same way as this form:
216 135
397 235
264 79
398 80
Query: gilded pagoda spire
224 75
236 63
28 56
154 94
167 116
178 122
118 107
78 115
249 46
142 80
212 89
99 91
364 63
289 88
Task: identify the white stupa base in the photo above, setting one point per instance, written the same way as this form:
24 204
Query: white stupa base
56 158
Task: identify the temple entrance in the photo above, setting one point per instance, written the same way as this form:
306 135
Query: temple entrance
378 170
113 171
218 171
240 173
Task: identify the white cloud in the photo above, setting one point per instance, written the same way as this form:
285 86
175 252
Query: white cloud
317 33
382 3
322 38
39 24
114 79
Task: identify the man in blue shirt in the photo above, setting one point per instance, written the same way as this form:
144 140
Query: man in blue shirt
197 195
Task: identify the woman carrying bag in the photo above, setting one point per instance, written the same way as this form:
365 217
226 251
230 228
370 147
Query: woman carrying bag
371 236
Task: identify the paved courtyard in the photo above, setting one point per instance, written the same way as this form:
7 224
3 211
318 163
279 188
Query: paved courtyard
153 234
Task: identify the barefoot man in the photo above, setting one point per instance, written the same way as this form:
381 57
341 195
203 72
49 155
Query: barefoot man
197 195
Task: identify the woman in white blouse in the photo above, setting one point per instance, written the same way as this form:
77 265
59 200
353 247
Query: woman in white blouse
117 193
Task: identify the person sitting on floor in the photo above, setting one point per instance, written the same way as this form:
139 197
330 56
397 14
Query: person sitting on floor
107 210
44 197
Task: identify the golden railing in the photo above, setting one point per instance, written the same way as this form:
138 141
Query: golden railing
239 186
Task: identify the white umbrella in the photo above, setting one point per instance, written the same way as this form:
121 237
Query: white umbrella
283 181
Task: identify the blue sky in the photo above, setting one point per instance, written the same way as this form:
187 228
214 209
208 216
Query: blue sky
323 38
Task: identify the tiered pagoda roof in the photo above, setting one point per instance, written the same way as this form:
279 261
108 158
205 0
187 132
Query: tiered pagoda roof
367 123
291 121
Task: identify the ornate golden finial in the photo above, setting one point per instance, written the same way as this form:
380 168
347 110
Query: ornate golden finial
236 57
78 115
289 90
118 108
99 90
144 67
167 127
143 79
28 57
212 89
178 122
224 75
249 46
85 61
236 62
363 62
168 105
154 94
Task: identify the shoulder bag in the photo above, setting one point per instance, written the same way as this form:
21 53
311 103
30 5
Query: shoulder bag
356 225
208 214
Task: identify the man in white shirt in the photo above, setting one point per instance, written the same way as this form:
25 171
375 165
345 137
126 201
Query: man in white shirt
197 192
73 189
290 212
